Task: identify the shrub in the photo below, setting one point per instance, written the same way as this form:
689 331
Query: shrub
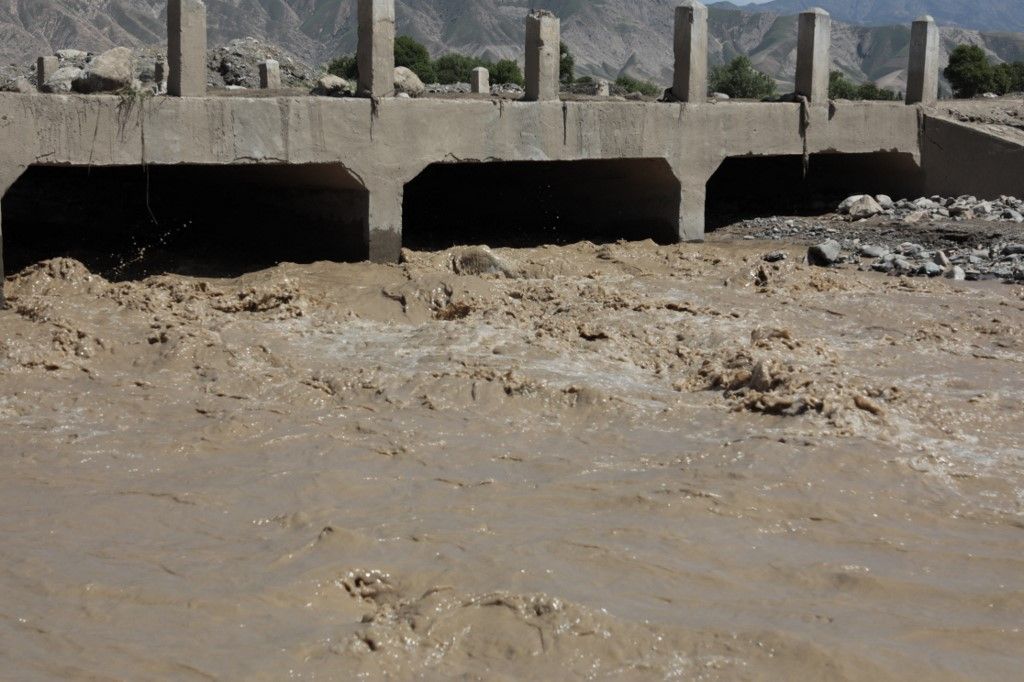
566 65
633 85
741 80
840 87
415 57
969 71
345 67
507 71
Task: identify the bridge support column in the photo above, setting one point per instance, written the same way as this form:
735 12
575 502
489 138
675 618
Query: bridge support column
814 42
375 54
691 212
45 68
186 48
543 41
270 75
384 223
923 77
7 178
480 80
691 48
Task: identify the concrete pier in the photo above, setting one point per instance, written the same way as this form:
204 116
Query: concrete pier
45 68
543 40
270 75
604 88
480 80
923 75
691 50
376 52
186 48
814 41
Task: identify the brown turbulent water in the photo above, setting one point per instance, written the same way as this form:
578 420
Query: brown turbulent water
617 462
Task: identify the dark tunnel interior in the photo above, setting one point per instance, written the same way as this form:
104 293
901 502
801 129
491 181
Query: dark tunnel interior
217 221
531 203
758 186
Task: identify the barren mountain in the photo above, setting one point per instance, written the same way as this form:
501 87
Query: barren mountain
608 37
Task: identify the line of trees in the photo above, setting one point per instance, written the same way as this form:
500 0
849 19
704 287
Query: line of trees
971 73
446 69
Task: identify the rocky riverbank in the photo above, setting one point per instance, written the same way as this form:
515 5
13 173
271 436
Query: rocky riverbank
961 238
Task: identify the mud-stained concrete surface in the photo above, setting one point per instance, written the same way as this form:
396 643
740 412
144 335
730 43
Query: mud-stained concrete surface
588 462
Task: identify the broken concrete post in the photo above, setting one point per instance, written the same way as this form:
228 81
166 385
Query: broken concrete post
814 42
376 52
45 68
270 75
160 73
186 48
604 88
691 47
543 61
480 80
923 77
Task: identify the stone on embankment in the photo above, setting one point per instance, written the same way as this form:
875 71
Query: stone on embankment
62 80
408 82
825 254
478 260
844 206
885 201
112 71
333 86
870 251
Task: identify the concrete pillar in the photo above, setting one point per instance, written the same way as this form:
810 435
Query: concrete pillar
923 77
384 222
45 68
604 89
186 48
543 39
270 75
691 47
376 52
480 80
691 212
812 55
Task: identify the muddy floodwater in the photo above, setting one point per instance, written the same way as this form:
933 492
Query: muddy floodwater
625 461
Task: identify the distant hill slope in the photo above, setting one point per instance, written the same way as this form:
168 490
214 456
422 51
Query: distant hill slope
608 37
984 15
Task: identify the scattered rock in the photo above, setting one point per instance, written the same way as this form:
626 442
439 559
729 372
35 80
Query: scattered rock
333 86
865 207
956 273
112 71
408 82
774 256
869 251
62 80
478 260
825 254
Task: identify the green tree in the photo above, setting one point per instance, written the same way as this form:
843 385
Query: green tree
415 57
633 85
455 68
741 80
566 65
969 71
507 71
840 87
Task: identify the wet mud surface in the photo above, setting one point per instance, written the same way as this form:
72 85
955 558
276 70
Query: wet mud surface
625 461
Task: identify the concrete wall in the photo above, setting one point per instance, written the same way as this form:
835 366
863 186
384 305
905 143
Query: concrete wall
386 145
960 159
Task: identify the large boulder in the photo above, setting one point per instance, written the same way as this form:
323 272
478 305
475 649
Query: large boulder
408 82
825 255
865 207
112 71
333 86
62 80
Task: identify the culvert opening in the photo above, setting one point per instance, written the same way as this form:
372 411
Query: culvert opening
215 221
760 186
532 203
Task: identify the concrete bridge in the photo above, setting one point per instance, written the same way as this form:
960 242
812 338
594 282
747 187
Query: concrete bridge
358 173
